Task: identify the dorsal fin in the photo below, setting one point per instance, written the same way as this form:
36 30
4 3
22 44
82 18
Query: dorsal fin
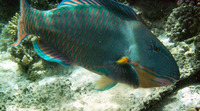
106 3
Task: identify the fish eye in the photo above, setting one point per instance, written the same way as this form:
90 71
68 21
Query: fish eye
157 48
154 47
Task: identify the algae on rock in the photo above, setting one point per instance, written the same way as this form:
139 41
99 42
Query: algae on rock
47 94
183 22
12 26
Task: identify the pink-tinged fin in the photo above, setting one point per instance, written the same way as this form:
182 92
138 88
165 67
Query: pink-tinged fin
104 83
21 32
48 53
111 4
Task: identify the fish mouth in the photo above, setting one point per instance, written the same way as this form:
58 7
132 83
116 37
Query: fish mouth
149 78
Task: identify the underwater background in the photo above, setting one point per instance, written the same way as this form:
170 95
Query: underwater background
29 83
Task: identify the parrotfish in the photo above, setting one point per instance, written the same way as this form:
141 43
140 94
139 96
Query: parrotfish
103 36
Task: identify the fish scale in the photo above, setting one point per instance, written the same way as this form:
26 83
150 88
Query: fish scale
72 22
71 44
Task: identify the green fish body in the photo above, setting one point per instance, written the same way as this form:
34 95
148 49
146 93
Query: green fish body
102 36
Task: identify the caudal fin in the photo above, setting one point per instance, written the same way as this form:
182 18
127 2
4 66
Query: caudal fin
21 32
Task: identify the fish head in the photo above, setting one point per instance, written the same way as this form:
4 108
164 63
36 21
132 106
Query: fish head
153 62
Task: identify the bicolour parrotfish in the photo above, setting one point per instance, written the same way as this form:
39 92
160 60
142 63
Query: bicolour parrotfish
103 36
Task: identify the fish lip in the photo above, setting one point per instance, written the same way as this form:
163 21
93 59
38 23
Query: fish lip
172 79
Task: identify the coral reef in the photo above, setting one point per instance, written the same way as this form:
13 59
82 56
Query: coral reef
12 26
183 22
5 39
187 63
24 54
71 89
188 2
28 82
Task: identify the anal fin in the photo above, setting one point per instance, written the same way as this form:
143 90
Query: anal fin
104 83
48 53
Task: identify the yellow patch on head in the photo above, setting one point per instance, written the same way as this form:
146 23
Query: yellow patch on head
123 60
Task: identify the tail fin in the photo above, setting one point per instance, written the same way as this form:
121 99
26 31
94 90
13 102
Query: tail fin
21 33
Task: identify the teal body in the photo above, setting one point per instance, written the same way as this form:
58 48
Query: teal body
81 35
95 34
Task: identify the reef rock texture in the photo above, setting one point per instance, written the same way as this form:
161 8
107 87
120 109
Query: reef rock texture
5 39
156 9
183 22
188 2
197 46
16 89
12 26
185 99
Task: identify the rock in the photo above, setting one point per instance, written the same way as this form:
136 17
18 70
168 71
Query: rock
188 2
183 23
185 99
2 107
197 47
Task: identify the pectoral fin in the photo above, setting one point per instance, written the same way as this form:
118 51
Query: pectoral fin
104 83
123 71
